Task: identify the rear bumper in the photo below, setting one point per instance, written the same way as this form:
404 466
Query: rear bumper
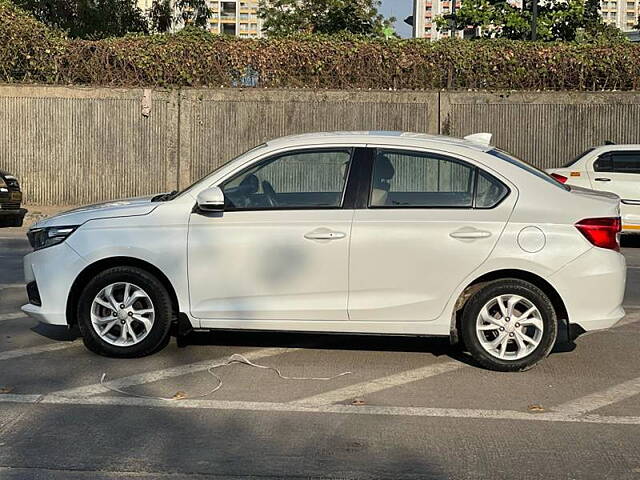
592 288
12 215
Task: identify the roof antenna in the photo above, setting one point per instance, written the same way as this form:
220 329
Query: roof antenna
609 142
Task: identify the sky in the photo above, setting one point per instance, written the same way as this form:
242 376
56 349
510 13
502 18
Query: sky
400 9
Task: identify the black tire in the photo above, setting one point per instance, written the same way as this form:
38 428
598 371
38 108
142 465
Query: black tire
158 336
509 286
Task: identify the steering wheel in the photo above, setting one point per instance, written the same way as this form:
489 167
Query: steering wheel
270 193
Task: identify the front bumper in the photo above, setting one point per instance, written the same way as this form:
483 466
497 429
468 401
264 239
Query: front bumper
592 288
54 270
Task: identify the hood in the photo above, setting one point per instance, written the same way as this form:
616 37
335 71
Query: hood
130 207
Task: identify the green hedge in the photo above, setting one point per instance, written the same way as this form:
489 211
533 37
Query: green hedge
29 52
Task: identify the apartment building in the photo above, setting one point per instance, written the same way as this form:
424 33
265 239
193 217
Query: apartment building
231 17
621 13
235 17
424 14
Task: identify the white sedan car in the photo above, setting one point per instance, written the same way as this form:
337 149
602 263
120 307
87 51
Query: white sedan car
608 168
376 233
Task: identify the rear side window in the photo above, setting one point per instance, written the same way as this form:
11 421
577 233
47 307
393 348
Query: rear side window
415 179
619 162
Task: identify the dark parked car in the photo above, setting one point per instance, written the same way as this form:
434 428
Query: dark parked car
11 215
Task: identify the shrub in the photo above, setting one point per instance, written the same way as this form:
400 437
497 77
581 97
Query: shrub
31 53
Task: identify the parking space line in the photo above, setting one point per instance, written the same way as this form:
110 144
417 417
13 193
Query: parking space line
48 347
364 388
601 399
157 375
11 285
11 316
461 413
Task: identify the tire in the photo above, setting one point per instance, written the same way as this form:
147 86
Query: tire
141 337
500 342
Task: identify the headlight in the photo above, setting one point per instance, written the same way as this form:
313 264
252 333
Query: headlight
40 238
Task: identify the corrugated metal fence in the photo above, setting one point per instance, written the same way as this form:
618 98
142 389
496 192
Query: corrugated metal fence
79 145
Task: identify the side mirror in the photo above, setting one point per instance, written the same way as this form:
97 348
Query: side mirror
211 200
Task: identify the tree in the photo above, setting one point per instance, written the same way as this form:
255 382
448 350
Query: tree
558 20
329 17
161 16
89 18
165 14
193 13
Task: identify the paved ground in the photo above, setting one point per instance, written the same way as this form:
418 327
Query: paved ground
411 408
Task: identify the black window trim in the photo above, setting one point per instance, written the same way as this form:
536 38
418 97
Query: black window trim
440 156
609 156
272 158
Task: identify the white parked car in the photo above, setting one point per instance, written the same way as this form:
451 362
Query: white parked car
376 233
608 168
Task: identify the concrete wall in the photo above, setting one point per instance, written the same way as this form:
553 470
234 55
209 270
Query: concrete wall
80 145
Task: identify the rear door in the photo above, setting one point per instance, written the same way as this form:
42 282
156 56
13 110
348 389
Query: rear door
429 221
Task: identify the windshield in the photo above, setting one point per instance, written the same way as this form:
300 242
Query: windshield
528 167
568 164
175 193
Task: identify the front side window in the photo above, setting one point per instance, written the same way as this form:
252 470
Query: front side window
295 180
412 179
626 162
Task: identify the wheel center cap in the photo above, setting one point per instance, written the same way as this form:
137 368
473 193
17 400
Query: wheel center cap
122 314
510 327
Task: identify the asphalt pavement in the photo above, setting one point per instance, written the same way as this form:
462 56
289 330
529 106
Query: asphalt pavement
410 408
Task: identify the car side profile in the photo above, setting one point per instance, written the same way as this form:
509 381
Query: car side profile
356 232
608 168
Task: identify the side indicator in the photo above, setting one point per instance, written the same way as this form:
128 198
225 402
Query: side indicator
574 174
631 227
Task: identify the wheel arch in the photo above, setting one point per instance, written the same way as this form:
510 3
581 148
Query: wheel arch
475 285
101 265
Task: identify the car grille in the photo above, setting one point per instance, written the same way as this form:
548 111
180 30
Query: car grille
10 206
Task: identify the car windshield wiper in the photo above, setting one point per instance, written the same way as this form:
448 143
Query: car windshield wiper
165 197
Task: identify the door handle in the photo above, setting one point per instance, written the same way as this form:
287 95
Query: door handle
324 234
602 179
470 234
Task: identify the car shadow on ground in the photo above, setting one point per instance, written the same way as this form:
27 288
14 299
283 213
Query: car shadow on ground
630 241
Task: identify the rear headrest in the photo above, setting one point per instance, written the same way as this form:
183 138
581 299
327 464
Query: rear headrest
384 168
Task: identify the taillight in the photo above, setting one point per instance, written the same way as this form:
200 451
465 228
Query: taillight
602 232
560 178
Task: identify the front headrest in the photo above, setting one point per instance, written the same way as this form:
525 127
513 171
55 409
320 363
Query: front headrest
384 168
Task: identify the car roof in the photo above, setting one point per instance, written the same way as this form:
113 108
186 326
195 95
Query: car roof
378 137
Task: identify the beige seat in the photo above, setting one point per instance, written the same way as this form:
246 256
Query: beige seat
383 173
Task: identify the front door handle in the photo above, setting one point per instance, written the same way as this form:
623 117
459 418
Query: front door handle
470 234
603 179
324 234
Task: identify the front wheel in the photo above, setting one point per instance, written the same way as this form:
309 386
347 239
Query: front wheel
509 325
125 312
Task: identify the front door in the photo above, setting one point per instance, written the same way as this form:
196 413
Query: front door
280 249
618 171
430 221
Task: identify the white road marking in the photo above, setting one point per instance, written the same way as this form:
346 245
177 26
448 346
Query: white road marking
158 375
335 409
11 316
11 285
601 399
364 388
48 347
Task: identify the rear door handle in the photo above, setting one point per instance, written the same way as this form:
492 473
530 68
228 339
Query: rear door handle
470 234
324 234
602 179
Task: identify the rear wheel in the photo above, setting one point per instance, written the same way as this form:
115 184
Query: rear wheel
125 312
509 325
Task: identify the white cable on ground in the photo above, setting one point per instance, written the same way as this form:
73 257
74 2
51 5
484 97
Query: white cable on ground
235 358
